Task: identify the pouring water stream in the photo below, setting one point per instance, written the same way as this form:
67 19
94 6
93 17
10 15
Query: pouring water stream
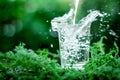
76 2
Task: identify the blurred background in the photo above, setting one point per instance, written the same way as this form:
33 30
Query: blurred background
29 21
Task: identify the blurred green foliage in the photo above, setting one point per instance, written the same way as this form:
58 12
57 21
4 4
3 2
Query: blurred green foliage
26 64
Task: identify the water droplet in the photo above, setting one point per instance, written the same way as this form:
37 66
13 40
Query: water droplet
47 21
112 33
105 14
119 13
51 45
50 30
108 26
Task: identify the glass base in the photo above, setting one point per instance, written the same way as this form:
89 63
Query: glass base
75 66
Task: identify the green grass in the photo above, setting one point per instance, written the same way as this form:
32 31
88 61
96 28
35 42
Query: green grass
25 64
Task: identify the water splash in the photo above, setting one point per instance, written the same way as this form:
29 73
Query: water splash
74 39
